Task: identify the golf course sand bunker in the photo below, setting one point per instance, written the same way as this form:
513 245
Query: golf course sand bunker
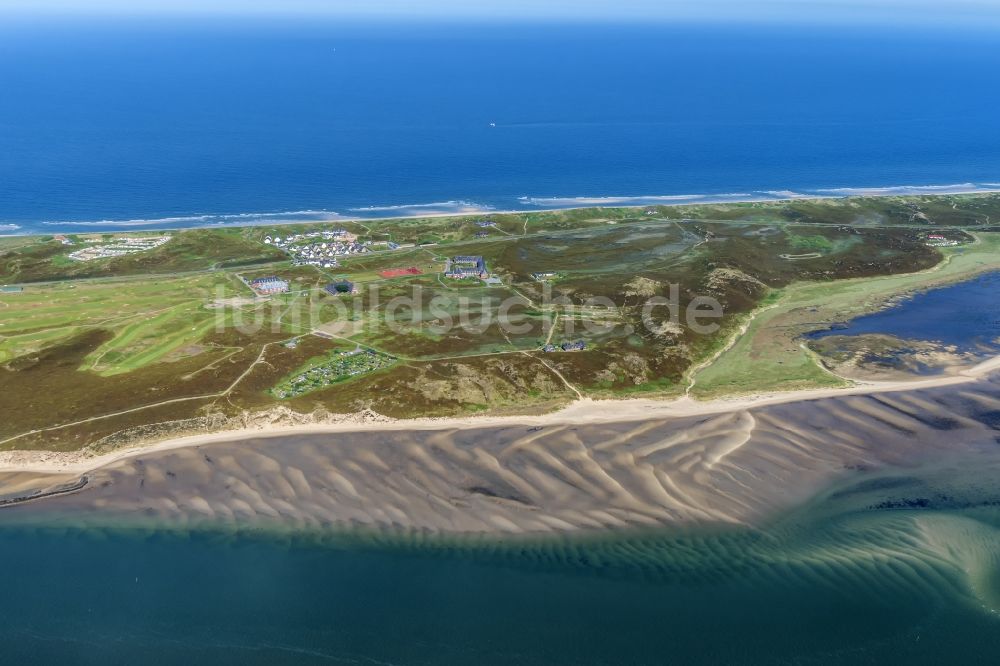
739 467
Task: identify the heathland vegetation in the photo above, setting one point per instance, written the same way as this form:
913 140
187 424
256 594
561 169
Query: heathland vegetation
173 337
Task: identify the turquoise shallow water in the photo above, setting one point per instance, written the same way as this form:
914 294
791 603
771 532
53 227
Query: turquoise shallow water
898 561
843 581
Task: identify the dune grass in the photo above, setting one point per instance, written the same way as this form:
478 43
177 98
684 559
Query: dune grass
771 356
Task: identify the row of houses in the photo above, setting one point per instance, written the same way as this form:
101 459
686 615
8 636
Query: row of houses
322 252
327 234
326 246
119 247
485 225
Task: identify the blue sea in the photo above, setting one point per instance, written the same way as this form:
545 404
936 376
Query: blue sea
120 124
965 315
141 125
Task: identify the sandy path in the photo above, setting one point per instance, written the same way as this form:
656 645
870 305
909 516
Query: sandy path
580 413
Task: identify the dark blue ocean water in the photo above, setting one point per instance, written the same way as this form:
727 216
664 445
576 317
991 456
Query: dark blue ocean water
221 122
965 315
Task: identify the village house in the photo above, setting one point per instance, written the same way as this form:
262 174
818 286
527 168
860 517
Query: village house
321 248
118 247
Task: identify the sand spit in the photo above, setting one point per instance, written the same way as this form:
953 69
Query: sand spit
737 465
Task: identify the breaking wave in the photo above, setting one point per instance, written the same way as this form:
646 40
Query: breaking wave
650 200
755 196
205 219
199 220
514 203
457 206
903 190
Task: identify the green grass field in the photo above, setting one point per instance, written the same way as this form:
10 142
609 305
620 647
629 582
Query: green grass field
149 319
772 357
88 348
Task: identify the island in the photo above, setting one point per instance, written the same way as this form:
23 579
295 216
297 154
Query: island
568 369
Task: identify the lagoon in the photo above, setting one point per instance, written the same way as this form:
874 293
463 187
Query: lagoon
965 315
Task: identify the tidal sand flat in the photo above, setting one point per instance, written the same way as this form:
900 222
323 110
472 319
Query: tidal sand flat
888 564
738 467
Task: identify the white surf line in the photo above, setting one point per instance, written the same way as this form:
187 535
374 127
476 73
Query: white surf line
827 194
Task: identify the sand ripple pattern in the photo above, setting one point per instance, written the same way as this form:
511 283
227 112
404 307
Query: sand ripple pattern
734 468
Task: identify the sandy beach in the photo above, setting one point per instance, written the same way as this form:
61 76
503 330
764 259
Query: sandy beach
591 466
595 464
581 412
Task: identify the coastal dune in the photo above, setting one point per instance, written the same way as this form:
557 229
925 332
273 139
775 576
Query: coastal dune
736 467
